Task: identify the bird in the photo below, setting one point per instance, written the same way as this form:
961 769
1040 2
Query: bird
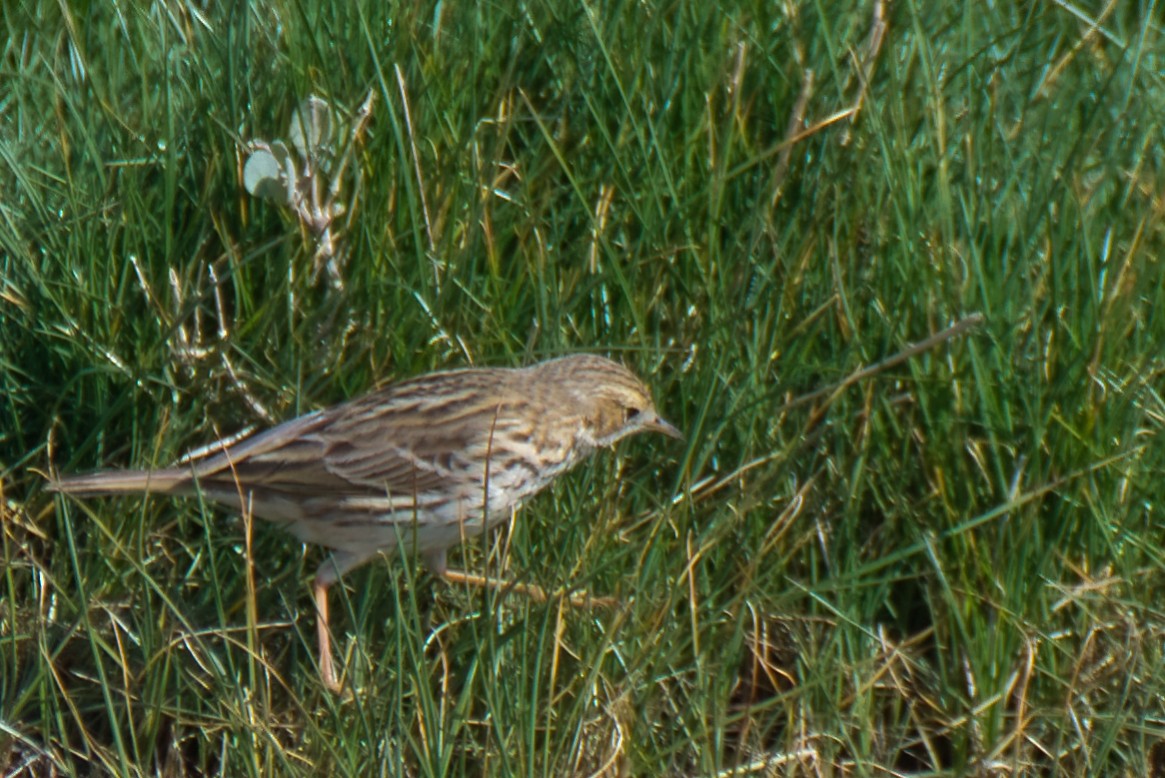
419 464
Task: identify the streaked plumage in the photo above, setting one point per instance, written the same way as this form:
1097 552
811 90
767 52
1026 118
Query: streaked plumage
421 462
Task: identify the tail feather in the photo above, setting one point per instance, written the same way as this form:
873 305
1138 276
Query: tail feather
168 481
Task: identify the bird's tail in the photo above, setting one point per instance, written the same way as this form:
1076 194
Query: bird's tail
168 481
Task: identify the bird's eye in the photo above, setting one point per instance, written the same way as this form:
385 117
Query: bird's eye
630 414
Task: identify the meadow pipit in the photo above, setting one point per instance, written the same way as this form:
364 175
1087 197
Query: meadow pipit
423 463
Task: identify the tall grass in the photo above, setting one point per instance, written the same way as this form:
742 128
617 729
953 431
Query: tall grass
950 565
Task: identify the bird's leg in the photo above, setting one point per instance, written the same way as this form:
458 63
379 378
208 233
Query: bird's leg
327 668
435 561
328 573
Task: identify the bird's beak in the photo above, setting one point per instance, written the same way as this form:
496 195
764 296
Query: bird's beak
658 424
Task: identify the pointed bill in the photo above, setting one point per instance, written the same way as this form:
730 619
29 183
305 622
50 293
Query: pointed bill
659 424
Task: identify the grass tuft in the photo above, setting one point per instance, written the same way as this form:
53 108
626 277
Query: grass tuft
946 564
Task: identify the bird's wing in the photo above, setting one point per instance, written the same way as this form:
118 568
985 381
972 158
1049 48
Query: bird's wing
289 457
417 449
368 444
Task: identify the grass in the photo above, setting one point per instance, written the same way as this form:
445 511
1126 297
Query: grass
948 566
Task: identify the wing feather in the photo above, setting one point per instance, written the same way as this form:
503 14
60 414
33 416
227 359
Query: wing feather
405 439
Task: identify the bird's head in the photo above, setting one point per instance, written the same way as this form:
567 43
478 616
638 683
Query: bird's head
613 403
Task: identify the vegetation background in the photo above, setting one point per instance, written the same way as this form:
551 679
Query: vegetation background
950 565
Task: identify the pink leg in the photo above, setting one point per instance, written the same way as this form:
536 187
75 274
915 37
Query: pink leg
329 572
535 593
327 668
